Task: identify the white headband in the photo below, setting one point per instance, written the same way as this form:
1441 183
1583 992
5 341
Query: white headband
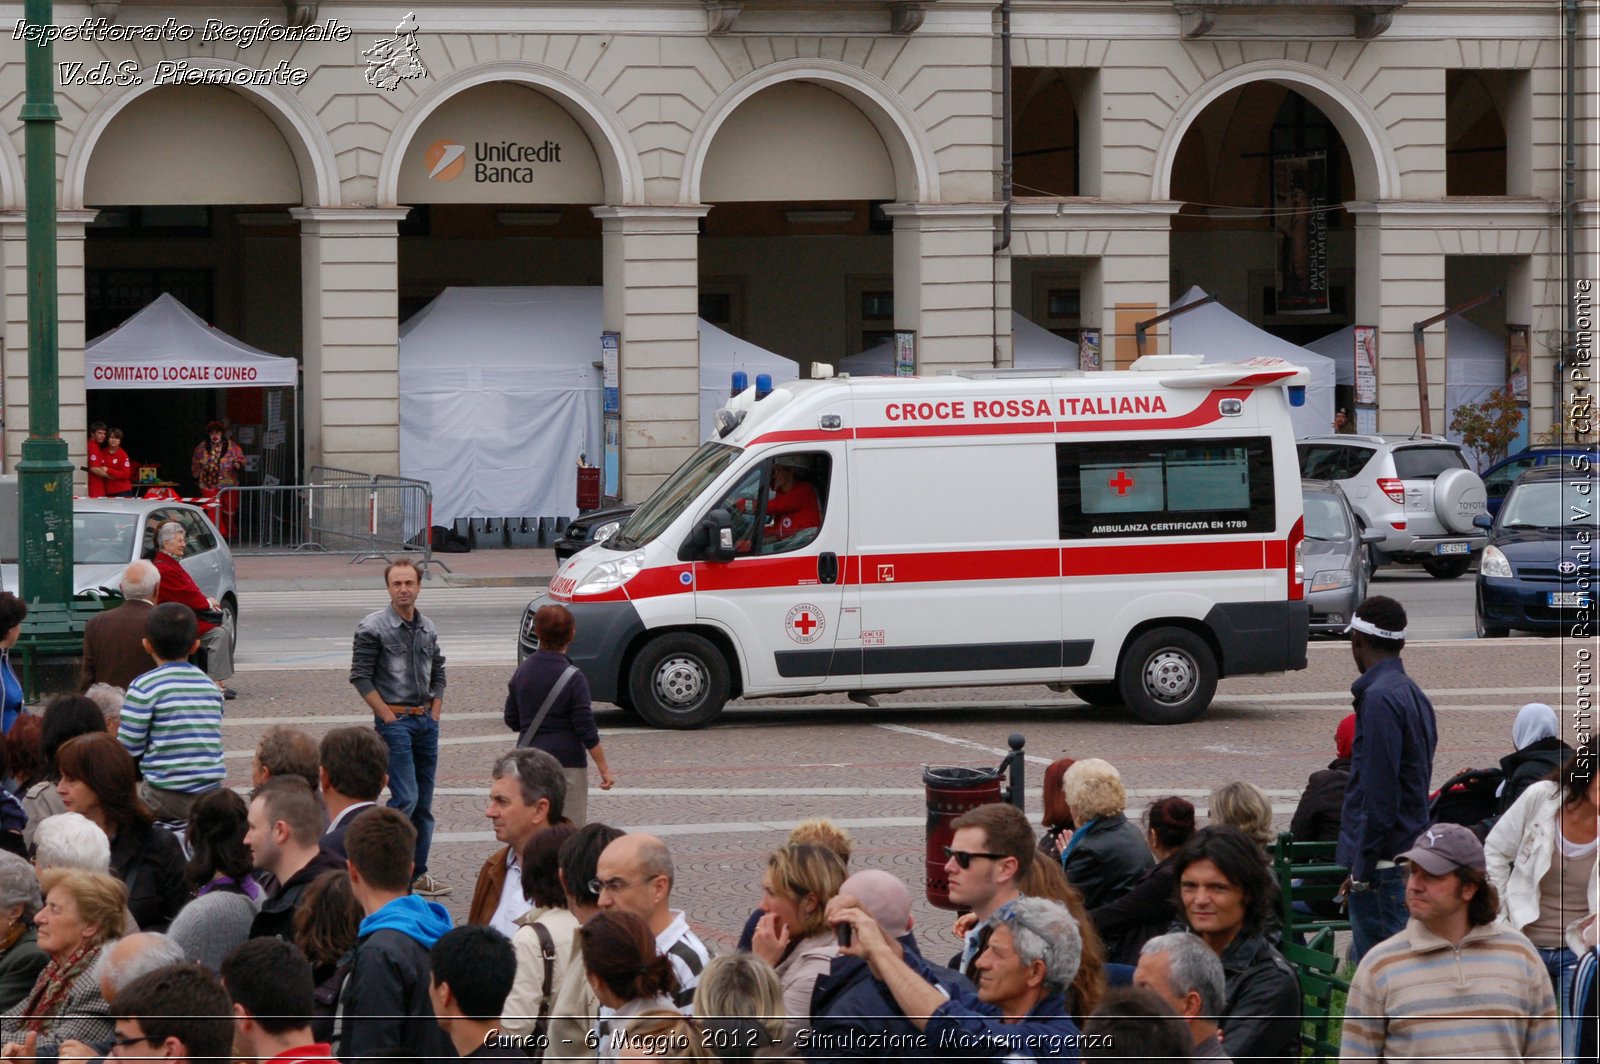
1358 624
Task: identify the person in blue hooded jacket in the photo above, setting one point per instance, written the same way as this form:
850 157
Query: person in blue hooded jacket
1019 1012
386 1003
12 612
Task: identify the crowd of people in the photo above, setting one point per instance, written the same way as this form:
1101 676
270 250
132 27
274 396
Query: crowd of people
147 909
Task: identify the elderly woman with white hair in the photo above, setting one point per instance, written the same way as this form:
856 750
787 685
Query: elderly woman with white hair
21 959
1106 855
172 542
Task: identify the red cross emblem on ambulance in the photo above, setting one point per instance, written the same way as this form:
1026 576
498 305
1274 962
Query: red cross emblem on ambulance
805 623
1121 483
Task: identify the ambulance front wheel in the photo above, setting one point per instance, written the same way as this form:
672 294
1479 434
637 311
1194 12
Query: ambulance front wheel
678 681
1168 676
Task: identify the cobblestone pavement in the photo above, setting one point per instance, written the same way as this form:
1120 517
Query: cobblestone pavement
723 797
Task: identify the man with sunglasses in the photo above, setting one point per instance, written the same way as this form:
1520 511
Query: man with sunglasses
179 1012
990 853
634 875
1019 1012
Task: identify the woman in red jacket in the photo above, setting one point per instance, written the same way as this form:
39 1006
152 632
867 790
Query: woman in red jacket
178 586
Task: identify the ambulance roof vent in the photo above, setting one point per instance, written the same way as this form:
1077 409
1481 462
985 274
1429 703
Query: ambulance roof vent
1013 373
1166 363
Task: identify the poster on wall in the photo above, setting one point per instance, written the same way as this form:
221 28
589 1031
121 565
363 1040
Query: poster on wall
905 353
1366 356
1089 350
1300 225
1517 362
1366 379
611 461
610 378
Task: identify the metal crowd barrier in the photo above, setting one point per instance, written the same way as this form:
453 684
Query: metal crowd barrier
339 512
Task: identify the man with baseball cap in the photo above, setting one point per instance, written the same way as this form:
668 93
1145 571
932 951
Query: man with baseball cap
1455 984
1391 764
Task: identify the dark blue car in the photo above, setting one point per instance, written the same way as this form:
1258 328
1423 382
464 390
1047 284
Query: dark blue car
1539 571
1498 478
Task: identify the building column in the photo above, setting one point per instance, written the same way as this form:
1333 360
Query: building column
1400 280
350 378
70 226
652 290
950 285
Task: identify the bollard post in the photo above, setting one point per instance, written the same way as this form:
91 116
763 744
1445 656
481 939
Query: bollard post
1016 786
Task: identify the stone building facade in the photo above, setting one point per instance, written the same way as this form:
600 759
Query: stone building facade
671 111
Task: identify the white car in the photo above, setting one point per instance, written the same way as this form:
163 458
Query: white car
107 534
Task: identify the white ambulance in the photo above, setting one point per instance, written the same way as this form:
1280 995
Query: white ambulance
1131 535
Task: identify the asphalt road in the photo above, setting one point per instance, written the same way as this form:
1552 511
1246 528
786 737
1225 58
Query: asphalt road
479 625
724 797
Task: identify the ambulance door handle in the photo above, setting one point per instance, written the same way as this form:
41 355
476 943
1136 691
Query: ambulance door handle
828 567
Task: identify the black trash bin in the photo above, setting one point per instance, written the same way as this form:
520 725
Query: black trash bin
950 793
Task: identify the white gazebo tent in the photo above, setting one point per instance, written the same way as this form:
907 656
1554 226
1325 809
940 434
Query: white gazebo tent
1222 336
1475 363
167 345
1032 347
500 394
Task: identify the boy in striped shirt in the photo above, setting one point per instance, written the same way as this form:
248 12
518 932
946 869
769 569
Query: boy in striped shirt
172 718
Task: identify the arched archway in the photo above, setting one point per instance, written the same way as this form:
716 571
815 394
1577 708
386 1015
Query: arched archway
1377 173
619 161
916 172
301 132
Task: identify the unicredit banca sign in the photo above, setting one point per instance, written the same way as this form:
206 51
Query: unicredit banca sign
490 162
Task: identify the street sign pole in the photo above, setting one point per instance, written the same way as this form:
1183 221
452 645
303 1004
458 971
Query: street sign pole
44 476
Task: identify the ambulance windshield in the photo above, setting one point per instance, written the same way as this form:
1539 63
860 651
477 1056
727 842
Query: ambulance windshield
668 501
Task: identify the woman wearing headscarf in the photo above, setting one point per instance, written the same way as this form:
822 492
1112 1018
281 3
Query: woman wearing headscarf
1316 818
1536 734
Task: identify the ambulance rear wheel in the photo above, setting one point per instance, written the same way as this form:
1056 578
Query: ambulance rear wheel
678 681
1168 676
1098 694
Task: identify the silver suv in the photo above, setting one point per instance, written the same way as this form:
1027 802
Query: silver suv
1419 491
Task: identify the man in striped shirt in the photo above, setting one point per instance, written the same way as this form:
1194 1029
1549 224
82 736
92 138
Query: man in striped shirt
1456 984
172 718
634 874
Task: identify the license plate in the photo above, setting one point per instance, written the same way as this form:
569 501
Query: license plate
1452 548
1575 599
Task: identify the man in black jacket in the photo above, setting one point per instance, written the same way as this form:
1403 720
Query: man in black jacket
1391 766
386 1002
1226 894
284 821
852 1013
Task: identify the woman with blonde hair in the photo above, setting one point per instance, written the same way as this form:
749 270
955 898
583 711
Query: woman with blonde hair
818 831
794 936
82 912
1246 807
662 1034
739 1002
1106 855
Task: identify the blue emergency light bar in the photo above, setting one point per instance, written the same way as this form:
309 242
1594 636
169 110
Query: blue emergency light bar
763 385
741 381
1297 395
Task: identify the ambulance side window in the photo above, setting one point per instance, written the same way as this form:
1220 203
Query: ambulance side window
1168 488
779 505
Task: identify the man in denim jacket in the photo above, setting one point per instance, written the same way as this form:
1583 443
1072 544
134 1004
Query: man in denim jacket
397 668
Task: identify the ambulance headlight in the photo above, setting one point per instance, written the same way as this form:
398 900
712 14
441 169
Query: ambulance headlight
1331 579
611 574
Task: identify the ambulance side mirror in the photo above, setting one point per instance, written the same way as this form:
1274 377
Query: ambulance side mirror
711 540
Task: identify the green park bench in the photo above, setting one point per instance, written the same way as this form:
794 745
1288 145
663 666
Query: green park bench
54 630
1307 871
1322 995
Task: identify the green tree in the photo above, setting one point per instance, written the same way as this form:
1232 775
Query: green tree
1489 428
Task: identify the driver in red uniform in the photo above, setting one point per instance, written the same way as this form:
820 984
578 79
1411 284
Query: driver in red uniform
794 506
